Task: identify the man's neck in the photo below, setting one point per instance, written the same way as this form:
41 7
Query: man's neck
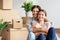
34 18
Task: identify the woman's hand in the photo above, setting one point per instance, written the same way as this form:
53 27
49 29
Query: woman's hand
38 33
44 30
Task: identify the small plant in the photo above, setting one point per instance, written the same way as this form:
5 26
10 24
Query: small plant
27 6
3 25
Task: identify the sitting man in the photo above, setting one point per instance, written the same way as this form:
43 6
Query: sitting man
35 9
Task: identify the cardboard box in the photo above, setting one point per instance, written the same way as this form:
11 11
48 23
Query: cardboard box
17 23
6 4
18 34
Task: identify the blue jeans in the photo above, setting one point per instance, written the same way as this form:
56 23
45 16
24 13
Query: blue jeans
50 35
31 36
41 37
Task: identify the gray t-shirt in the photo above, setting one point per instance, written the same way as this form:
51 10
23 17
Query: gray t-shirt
28 23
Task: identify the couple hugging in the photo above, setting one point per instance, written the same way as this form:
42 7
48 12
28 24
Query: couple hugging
38 26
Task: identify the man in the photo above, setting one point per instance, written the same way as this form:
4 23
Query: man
35 9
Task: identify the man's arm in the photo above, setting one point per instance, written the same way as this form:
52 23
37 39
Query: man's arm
28 24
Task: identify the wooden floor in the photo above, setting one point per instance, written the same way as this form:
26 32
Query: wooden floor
58 30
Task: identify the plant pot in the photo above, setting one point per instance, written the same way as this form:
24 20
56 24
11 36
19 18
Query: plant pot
24 21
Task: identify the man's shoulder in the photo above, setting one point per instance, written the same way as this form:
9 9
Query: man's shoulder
30 18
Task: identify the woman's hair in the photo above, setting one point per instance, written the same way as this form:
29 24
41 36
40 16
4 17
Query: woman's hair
43 11
45 20
35 6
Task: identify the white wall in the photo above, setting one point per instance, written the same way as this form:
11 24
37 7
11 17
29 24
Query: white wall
51 6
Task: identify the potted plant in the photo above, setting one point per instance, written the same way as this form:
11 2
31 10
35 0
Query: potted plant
2 26
27 7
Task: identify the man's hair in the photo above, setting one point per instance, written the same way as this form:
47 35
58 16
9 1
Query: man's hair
35 6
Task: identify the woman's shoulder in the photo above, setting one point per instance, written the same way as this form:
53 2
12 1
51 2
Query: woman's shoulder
48 23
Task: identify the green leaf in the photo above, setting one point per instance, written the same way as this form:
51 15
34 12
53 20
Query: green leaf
3 24
1 21
27 6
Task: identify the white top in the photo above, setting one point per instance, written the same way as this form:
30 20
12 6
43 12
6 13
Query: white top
46 24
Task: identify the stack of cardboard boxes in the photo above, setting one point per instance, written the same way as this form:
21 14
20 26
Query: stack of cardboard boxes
14 30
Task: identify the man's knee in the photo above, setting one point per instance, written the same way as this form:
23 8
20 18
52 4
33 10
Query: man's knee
32 35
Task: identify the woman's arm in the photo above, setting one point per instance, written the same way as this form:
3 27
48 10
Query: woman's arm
44 30
39 29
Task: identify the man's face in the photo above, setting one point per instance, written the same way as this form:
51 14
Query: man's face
35 11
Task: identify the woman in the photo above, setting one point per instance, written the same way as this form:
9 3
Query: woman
42 28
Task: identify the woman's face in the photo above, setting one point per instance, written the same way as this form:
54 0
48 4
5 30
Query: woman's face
41 15
35 11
